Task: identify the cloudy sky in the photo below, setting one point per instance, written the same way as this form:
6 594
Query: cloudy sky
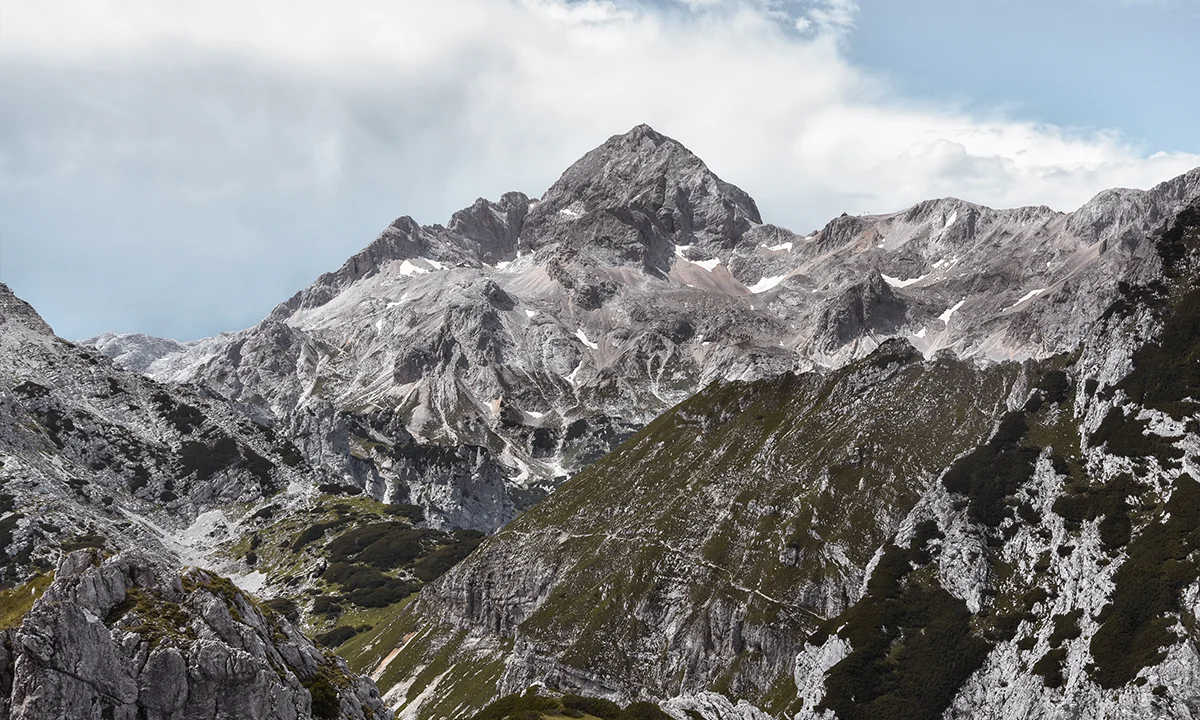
178 168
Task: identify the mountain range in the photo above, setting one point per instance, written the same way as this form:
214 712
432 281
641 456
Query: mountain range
629 442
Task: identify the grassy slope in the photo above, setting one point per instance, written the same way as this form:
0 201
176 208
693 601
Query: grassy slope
757 501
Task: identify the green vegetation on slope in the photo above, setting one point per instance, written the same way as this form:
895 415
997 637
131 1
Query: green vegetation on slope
993 472
534 705
757 502
16 602
912 641
1137 624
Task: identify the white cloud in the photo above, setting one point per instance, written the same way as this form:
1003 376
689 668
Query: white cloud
784 115
829 16
422 106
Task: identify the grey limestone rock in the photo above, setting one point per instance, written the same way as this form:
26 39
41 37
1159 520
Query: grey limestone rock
638 278
128 638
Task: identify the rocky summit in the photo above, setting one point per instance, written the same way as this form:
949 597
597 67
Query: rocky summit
627 451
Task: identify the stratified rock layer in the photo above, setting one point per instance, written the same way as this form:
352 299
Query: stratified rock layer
128 639
541 333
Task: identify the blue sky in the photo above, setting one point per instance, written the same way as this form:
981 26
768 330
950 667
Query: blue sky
1083 63
177 169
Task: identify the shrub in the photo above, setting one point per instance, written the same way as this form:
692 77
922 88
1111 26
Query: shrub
912 647
325 702
1050 667
436 563
415 513
286 607
1166 373
1109 502
644 711
206 460
516 705
326 605
382 545
1055 386
1137 623
598 707
336 636
184 417
1066 627
994 471
1127 437
365 586
336 489
315 532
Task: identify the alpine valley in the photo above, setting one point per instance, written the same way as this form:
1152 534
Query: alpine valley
628 452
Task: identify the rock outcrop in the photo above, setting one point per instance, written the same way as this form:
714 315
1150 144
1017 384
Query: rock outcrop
546 331
934 463
125 638
900 537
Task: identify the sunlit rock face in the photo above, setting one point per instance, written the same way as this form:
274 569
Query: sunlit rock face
541 333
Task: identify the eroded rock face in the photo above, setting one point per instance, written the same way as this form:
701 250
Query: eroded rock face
636 280
899 537
128 639
93 455
803 523
632 200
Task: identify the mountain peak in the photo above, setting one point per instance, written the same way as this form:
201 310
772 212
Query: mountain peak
633 199
645 131
15 311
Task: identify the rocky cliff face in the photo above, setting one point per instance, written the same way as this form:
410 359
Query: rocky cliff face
95 456
932 463
633 201
542 333
897 538
126 638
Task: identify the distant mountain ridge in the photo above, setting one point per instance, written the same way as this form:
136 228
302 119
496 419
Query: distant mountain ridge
934 463
542 332
899 537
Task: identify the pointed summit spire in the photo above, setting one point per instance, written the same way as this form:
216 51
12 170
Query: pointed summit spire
635 198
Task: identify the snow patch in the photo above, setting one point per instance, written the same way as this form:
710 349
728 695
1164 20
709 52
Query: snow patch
920 333
531 313
407 268
535 414
898 283
569 212
708 265
503 264
766 284
436 265
1027 296
782 247
681 249
571 377
945 317
583 338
